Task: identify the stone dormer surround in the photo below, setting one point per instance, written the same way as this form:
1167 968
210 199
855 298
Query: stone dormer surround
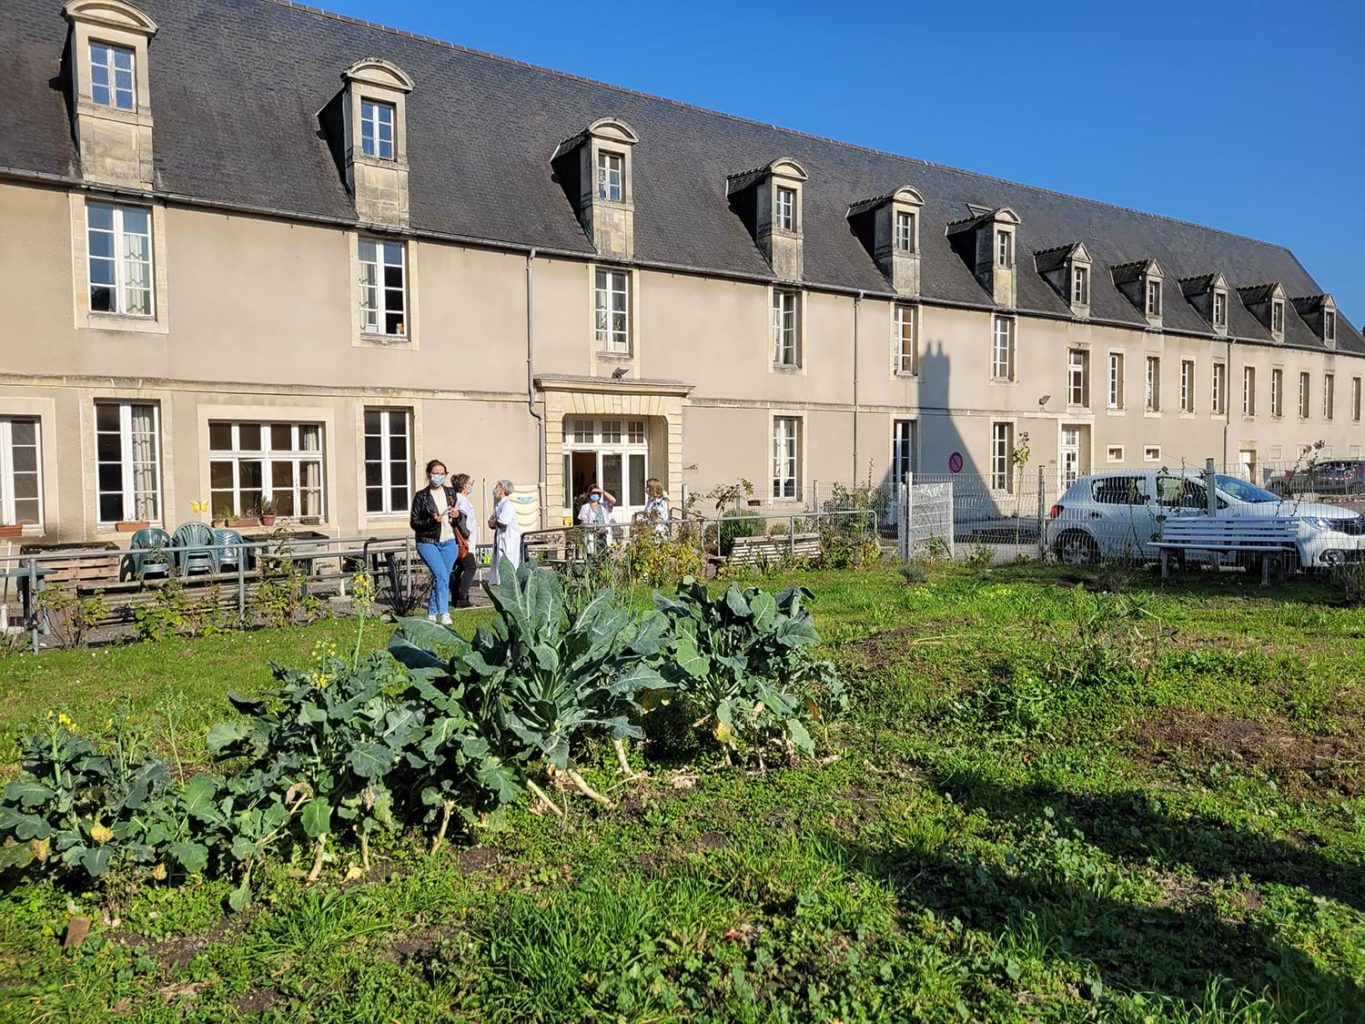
1319 312
378 184
1135 280
1069 270
587 166
988 242
754 196
115 143
1210 295
875 223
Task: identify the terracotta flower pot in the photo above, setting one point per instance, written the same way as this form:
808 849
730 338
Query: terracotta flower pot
11 529
132 526
267 520
237 524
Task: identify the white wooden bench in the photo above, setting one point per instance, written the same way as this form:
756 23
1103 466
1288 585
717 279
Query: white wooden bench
1271 537
757 550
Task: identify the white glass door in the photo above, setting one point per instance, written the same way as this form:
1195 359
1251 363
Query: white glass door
610 453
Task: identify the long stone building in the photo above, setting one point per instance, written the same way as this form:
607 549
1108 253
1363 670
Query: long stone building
258 252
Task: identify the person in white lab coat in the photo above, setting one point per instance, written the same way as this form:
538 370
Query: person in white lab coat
506 529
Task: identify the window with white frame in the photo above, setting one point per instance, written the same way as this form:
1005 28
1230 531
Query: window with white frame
611 432
1277 316
1219 394
1152 390
128 461
1220 309
251 463
1078 377
905 231
1115 453
383 288
902 449
21 471
377 122
1004 249
119 242
1329 326
786 457
1187 385
1355 399
786 209
1305 397
904 339
786 327
611 176
1002 349
388 461
1002 444
1116 380
1080 285
611 311
1248 391
112 82
1153 297
1152 452
1277 393
1329 395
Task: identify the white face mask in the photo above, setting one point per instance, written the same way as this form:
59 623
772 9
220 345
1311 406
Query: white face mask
438 479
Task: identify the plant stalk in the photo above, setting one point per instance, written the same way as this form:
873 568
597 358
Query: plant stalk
620 747
445 822
365 850
317 859
540 795
588 791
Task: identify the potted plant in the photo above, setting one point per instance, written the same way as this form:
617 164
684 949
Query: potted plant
132 525
266 510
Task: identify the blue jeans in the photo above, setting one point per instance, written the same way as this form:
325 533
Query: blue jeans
440 559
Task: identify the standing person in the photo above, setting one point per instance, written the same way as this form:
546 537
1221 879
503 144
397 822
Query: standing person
506 530
467 565
435 518
656 505
596 512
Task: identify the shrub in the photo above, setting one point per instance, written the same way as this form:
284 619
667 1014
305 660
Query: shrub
71 618
738 523
656 559
913 572
1350 580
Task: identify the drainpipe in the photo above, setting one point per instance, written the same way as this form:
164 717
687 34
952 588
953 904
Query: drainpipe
536 414
857 306
1227 403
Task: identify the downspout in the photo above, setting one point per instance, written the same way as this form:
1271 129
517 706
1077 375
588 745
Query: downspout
857 305
536 414
1227 403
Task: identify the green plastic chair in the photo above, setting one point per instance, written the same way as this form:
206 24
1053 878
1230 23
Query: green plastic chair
196 543
147 554
228 548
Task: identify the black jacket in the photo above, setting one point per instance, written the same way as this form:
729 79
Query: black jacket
427 529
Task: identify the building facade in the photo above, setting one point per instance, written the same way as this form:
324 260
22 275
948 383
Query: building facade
260 254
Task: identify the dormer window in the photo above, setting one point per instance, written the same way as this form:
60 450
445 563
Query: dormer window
111 76
611 176
1220 309
1004 249
1329 326
1080 286
785 209
1277 317
1153 298
905 231
377 129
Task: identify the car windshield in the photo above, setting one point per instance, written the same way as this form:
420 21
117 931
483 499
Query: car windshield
1243 491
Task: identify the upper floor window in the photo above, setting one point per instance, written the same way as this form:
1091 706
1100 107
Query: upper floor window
1305 399
119 240
1277 393
377 129
1220 388
1329 326
1078 377
611 314
611 176
1080 285
1004 249
905 231
1002 349
1277 316
1248 391
388 460
1355 399
1329 395
111 76
1153 298
1187 385
904 339
1153 386
1220 309
128 460
21 471
383 288
786 209
786 328
1115 380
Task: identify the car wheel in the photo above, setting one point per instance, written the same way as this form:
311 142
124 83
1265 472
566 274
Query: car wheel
1076 547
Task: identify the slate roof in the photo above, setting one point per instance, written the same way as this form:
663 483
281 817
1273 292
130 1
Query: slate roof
237 85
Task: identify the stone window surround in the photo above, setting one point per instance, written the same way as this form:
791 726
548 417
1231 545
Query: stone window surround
1218 377
1113 406
913 311
1189 387
84 317
612 135
379 81
800 367
44 410
118 24
414 411
162 398
1277 391
601 363
802 447
361 338
784 174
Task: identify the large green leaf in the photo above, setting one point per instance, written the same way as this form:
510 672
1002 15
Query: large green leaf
499 777
689 659
796 632
411 656
23 826
764 608
95 860
199 797
27 792
225 738
797 733
316 817
193 857
370 760
734 600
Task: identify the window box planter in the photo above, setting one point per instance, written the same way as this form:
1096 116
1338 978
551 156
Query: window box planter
243 522
11 529
132 525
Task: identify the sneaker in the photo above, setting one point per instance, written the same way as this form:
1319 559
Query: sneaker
431 618
445 619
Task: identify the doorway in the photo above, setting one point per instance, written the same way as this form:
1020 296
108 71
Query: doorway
1246 460
1069 451
612 453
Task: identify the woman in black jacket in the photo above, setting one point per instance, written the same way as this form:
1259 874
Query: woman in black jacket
436 520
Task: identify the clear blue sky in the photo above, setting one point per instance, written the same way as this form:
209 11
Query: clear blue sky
1246 116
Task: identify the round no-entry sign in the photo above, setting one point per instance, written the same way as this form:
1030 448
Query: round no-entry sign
955 462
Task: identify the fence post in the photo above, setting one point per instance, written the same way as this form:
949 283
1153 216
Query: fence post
33 608
952 525
1210 492
241 583
909 515
1042 513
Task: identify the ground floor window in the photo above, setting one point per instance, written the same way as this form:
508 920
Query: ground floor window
388 460
128 459
1002 441
21 474
254 463
902 449
786 457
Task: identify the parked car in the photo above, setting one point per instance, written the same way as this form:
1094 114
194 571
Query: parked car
1118 515
1331 476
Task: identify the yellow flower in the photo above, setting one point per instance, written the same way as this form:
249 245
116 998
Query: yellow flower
159 872
101 833
64 720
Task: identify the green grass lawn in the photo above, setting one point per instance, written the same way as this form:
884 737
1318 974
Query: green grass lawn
1048 802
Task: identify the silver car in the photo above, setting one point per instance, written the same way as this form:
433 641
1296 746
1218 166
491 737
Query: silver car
1119 514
